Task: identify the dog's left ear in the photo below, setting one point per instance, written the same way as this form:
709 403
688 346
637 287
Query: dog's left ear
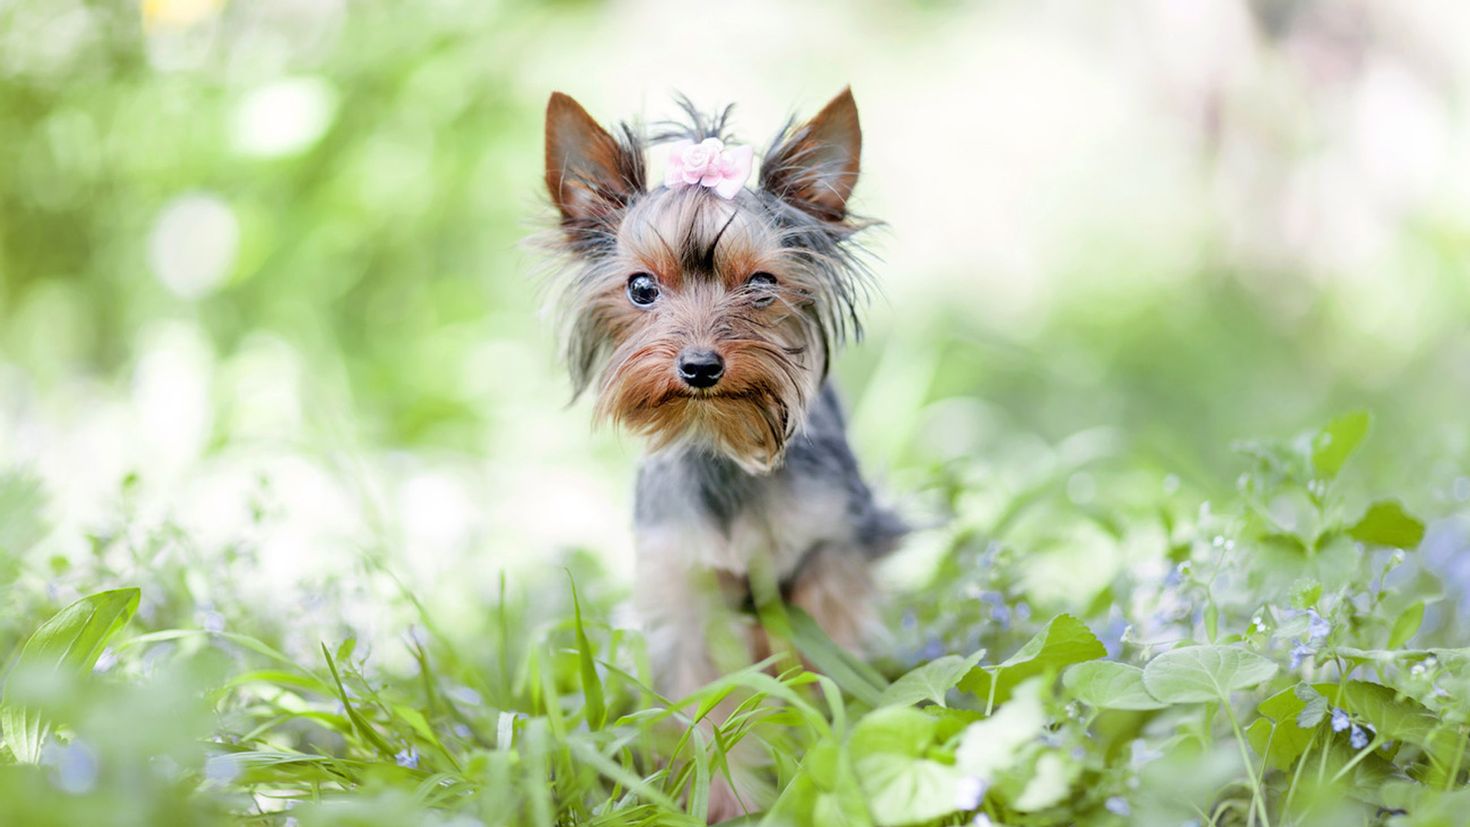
589 173
815 165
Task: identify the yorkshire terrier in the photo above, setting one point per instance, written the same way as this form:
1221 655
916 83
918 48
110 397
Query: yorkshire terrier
705 313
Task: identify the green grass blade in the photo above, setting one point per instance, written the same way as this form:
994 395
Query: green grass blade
70 642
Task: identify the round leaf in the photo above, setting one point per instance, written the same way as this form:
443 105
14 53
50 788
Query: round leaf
1197 674
1108 684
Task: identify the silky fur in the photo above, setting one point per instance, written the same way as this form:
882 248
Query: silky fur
753 474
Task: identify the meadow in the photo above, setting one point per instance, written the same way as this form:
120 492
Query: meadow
297 526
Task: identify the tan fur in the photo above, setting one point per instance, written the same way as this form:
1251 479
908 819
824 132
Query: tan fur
773 354
810 521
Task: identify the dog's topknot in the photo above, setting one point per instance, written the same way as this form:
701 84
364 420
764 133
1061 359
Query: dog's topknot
696 126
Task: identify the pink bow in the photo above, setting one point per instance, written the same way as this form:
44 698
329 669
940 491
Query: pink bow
709 164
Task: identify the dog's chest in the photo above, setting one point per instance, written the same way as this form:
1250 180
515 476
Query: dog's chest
723 518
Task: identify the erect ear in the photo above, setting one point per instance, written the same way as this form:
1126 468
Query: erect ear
815 165
589 173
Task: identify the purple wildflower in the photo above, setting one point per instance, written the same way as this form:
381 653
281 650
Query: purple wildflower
1340 720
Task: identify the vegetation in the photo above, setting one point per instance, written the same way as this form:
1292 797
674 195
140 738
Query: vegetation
297 527
1275 658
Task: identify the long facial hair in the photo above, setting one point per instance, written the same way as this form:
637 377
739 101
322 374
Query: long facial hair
775 358
775 343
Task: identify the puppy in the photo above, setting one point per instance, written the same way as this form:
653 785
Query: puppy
705 313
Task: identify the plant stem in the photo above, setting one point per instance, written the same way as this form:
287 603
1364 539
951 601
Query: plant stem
1362 753
1256 795
1296 775
1449 783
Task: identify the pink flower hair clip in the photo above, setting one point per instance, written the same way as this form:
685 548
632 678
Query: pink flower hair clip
709 164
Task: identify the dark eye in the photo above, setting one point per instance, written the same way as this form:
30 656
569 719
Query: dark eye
642 289
764 286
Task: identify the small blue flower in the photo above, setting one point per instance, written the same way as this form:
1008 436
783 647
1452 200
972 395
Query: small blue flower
74 767
1340 720
1299 653
1317 627
1118 806
408 758
969 792
1358 738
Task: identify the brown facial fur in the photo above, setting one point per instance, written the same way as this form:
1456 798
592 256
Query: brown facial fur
703 250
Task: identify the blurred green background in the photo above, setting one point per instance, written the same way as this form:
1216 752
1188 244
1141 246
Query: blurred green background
269 255
272 350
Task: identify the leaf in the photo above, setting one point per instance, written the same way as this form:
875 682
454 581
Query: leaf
1407 625
1335 444
70 643
1064 641
359 723
930 682
1107 684
1393 717
905 790
596 708
1314 706
1283 713
902 786
1385 523
1050 782
1198 674
852 674
993 745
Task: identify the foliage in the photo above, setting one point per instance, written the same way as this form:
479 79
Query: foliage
1277 688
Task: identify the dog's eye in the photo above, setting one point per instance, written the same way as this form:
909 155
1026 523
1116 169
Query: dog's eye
764 286
642 289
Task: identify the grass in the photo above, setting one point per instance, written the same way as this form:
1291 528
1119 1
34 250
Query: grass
1097 643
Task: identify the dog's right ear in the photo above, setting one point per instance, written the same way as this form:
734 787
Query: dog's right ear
589 173
815 166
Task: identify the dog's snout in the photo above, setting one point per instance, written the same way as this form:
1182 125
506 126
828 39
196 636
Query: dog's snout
700 368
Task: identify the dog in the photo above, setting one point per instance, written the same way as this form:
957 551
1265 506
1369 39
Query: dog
705 313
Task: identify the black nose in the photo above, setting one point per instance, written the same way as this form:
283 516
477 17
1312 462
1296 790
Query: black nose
700 368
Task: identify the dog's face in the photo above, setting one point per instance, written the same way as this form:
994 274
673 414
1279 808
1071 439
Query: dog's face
697 317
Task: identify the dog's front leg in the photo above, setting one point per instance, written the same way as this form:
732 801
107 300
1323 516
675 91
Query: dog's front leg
693 638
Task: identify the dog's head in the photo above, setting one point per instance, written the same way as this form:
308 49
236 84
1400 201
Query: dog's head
703 313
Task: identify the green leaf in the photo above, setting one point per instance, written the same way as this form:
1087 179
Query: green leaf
1283 713
1107 684
1385 523
995 744
1199 674
852 674
70 643
1407 625
359 723
1050 781
1314 706
902 786
1334 444
596 708
930 682
1064 641
1393 717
